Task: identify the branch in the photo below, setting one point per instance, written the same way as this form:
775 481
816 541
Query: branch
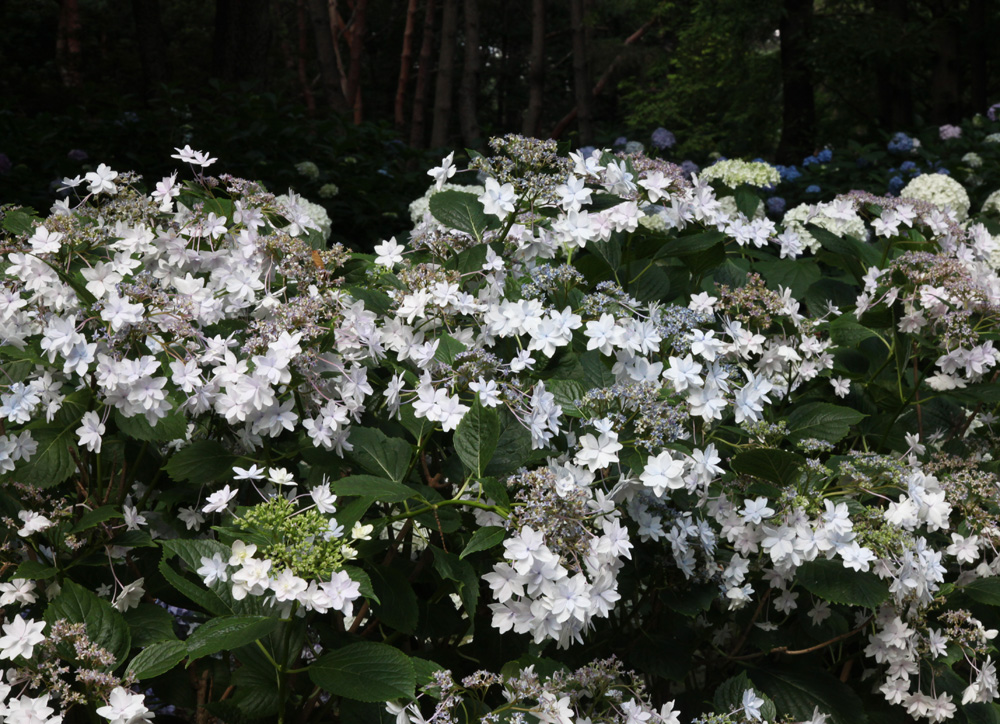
799 652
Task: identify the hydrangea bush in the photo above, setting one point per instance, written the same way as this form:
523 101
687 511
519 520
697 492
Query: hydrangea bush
598 442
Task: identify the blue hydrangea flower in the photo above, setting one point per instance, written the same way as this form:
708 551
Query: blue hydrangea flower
690 167
587 151
813 189
900 143
909 167
662 138
620 141
896 185
788 173
776 205
809 160
825 156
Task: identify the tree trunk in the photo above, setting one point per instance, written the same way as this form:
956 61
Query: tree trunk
357 30
68 49
319 16
798 126
152 44
536 71
470 78
423 71
242 39
581 75
895 94
405 61
978 39
301 54
946 80
445 74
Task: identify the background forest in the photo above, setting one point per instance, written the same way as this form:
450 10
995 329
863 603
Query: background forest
358 87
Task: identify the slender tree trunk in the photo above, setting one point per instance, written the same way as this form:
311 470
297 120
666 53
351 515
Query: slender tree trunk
319 16
581 75
979 36
602 82
242 39
300 56
423 72
946 79
68 49
151 43
798 127
445 74
405 61
470 77
536 70
357 30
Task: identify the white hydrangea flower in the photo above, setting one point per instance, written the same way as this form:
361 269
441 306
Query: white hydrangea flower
733 172
829 216
941 190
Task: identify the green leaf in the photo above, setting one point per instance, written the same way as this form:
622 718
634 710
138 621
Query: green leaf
398 606
167 429
34 571
822 421
149 624
692 244
105 625
19 221
846 331
52 462
984 590
208 600
376 452
448 348
981 713
256 685
747 200
95 516
459 210
476 437
452 568
156 659
796 274
496 491
381 489
365 671
513 448
691 601
829 580
192 550
729 696
483 539
777 466
610 251
595 372
228 633
798 690
202 461
566 394
364 582
648 283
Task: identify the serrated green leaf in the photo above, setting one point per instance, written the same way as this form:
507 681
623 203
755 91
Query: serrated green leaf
798 690
19 221
95 516
383 490
691 244
460 210
156 659
452 568
513 448
192 550
52 462
105 625
378 453
566 394
363 580
149 624
823 421
228 633
795 274
610 251
202 461
476 437
365 671
448 348
747 200
778 466
829 580
398 606
208 600
483 539
167 429
34 571
984 590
